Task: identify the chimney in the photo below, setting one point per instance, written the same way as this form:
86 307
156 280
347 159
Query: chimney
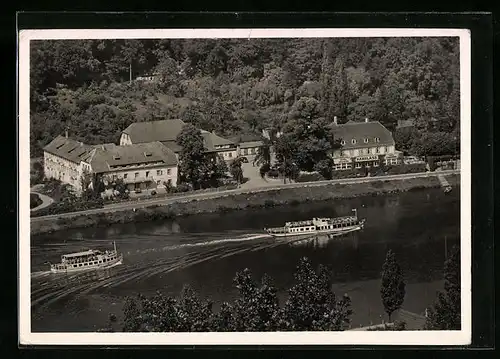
335 120
366 119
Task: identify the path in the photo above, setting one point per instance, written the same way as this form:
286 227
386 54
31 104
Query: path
46 201
211 195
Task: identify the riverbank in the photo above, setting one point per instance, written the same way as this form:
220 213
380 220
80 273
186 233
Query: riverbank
232 202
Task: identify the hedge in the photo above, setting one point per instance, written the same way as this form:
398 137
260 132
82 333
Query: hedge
67 206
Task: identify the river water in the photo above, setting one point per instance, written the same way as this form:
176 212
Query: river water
207 250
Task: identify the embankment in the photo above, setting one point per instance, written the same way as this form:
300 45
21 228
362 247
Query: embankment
284 196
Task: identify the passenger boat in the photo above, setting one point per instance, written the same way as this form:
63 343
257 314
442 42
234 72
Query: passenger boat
318 227
91 259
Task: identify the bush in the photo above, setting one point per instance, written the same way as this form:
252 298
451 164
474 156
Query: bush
35 200
274 173
70 206
402 169
264 169
310 177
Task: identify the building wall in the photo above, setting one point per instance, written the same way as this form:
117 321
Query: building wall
157 174
125 140
346 158
229 154
369 150
248 151
62 169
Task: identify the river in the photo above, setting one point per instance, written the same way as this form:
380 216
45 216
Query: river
207 250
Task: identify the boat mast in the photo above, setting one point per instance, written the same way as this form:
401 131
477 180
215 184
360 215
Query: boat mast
114 245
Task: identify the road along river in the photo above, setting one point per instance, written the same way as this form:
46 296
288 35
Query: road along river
205 251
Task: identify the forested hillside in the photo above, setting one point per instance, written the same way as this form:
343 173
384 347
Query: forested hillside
239 85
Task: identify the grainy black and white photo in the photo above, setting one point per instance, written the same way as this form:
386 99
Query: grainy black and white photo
245 184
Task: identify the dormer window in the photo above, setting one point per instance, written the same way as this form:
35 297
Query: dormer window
366 140
342 142
353 141
377 139
148 154
116 158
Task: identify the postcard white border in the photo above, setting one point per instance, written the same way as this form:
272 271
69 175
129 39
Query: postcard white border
26 337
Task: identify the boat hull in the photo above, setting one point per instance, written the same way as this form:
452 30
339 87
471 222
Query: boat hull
325 233
68 269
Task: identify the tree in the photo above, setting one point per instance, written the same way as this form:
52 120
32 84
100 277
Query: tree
192 160
312 305
257 307
336 95
264 153
393 287
236 170
445 315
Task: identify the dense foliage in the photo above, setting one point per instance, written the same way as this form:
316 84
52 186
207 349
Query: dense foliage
393 287
195 167
311 305
237 85
35 200
445 315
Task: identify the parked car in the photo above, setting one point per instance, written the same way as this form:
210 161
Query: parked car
244 159
153 193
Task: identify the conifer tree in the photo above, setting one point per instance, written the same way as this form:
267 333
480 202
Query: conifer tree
393 287
445 315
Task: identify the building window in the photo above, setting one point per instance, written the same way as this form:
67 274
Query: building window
342 142
377 139
159 172
386 149
147 174
366 140
169 171
353 141
125 175
230 155
358 165
136 174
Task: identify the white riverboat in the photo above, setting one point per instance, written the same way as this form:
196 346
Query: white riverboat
329 227
91 259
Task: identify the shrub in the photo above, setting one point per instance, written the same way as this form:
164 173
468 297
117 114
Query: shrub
35 200
409 168
274 173
310 177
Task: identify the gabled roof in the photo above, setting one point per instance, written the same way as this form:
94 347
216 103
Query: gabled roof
105 157
210 140
68 149
150 131
361 131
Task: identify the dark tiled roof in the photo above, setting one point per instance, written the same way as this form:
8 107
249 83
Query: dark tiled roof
103 157
150 131
166 131
246 138
210 140
68 149
361 131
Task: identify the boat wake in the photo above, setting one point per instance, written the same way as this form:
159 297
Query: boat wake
48 288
